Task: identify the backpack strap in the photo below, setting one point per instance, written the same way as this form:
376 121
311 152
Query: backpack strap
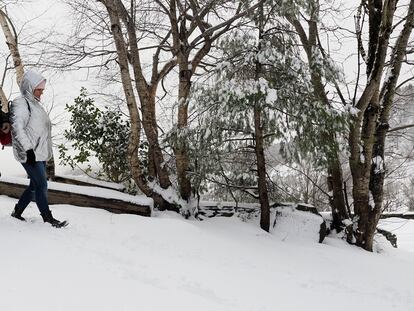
28 106
10 101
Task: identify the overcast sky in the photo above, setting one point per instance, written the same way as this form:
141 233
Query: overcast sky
40 16
34 19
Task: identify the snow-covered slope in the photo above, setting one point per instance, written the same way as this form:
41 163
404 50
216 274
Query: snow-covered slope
109 262
104 261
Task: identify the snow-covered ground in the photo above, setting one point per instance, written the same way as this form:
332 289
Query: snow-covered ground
104 261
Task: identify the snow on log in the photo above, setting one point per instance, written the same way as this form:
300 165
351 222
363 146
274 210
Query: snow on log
111 200
90 183
406 215
391 237
208 209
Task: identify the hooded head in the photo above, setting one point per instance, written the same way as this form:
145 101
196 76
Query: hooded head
31 80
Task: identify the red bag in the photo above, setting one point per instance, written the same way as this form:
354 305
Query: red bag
5 138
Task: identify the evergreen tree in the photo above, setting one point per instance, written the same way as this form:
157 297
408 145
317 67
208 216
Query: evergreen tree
261 75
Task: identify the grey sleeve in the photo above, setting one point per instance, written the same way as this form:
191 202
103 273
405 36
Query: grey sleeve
19 118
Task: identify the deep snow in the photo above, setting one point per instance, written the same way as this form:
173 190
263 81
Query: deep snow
104 261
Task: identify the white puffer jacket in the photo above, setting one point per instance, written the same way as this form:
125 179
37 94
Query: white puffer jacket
31 129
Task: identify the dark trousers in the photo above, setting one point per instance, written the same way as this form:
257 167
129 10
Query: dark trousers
38 184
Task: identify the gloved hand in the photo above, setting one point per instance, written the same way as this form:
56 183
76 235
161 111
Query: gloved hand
31 157
5 123
5 127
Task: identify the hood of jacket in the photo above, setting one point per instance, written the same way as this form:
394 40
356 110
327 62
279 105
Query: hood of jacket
30 80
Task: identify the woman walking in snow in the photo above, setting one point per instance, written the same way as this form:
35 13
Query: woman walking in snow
32 144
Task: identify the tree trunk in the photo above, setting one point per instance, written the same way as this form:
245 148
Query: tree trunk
134 138
259 141
360 193
335 175
181 51
378 168
146 93
3 101
181 153
363 128
11 41
337 200
151 131
261 170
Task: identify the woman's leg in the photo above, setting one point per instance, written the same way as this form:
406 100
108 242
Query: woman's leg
25 198
38 180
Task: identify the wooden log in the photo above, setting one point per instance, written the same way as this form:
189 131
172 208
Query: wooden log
227 209
55 196
409 215
391 237
72 181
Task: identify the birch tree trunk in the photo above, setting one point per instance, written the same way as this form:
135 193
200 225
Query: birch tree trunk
11 40
128 53
134 138
146 93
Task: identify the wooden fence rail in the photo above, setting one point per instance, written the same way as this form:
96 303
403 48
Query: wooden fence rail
56 196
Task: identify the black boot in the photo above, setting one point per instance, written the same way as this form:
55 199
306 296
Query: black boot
47 217
17 213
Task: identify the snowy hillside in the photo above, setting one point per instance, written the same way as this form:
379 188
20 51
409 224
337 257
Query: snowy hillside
104 261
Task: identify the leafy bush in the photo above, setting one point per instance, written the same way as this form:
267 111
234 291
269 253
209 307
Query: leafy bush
102 134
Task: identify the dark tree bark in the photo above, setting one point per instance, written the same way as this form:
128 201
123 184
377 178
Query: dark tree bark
386 100
368 128
259 141
363 128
